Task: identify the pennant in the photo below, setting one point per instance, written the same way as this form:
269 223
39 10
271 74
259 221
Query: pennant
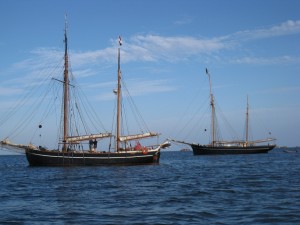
120 41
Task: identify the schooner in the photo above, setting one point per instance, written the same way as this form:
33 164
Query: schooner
125 153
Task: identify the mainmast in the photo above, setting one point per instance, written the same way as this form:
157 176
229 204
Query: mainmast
66 90
118 100
212 103
247 123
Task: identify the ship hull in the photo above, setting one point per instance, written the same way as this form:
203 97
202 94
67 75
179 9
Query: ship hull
59 158
230 150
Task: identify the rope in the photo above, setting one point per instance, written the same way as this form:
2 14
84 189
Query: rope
136 113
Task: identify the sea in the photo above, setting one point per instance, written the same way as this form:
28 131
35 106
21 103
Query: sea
181 189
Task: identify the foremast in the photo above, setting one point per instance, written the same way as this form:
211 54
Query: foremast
247 124
213 113
120 138
118 100
66 91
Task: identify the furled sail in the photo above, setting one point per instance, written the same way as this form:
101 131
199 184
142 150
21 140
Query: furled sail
7 143
87 137
263 140
138 136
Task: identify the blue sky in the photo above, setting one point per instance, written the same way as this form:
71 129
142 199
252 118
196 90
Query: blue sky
250 48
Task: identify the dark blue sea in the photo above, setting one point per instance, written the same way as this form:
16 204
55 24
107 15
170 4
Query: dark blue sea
182 189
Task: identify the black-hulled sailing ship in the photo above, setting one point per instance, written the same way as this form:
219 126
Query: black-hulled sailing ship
128 149
229 147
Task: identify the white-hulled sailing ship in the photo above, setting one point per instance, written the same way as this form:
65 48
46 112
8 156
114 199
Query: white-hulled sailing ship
71 148
229 147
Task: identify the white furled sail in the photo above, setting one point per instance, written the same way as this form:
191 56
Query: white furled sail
138 136
87 137
263 140
7 143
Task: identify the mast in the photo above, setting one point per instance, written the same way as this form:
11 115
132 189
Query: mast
66 91
118 100
212 103
247 123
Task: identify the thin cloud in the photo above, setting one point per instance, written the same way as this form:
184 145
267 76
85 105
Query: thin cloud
183 21
41 59
93 57
287 28
281 90
174 49
151 48
148 48
109 84
137 87
9 91
267 61
83 73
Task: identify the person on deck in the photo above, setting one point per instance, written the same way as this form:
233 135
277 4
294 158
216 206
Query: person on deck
95 144
91 145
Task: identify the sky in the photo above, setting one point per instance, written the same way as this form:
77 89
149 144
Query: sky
251 48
